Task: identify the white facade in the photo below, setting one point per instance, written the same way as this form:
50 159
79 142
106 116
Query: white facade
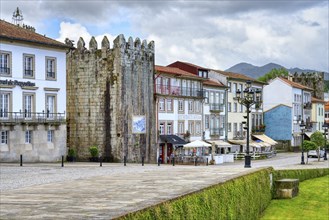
236 111
280 91
318 115
214 111
32 101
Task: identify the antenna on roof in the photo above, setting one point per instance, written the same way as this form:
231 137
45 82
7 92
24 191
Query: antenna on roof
18 17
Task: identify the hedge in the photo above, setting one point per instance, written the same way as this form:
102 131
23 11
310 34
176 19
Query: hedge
301 174
244 197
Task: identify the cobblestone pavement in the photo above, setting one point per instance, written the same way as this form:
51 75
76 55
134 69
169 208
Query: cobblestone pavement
88 191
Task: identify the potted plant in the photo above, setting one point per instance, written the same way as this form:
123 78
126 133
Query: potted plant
71 155
93 150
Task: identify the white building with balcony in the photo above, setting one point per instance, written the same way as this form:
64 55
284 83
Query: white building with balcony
179 106
32 95
236 134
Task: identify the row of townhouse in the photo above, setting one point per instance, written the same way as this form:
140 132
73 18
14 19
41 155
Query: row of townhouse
285 105
197 103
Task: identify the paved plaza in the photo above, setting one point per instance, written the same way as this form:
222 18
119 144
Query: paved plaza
88 191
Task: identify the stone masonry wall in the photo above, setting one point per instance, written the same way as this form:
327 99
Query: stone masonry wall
105 88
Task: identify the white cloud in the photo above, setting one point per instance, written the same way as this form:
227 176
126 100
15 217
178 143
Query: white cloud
216 34
74 31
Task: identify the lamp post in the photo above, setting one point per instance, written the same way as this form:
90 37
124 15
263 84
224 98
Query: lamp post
250 97
302 128
325 128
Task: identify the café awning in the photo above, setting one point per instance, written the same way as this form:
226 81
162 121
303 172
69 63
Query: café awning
308 134
237 142
221 143
265 138
196 143
172 139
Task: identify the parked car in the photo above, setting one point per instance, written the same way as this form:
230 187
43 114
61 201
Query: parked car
313 153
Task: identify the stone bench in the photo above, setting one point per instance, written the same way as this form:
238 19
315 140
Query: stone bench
286 188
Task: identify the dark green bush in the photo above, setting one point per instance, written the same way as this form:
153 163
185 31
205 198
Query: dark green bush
93 151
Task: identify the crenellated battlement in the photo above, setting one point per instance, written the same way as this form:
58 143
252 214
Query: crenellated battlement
119 42
106 89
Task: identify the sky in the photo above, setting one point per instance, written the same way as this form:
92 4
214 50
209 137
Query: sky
212 34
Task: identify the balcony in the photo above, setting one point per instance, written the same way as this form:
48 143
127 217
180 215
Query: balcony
260 129
215 131
4 71
14 118
215 107
178 91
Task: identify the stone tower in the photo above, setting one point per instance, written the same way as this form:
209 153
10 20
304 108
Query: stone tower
107 89
313 80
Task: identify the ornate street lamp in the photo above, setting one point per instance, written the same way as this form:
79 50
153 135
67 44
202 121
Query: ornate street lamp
250 97
325 128
302 129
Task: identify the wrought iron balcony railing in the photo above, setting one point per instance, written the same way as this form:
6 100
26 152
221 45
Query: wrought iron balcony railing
28 72
31 117
178 91
4 71
214 131
216 107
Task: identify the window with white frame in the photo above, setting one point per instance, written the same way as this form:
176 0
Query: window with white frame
221 98
229 84
169 127
229 107
198 127
50 136
180 105
161 105
206 97
181 129
211 99
197 106
50 68
4 137
162 128
169 105
241 88
4 104
206 121
28 103
190 106
191 127
222 121
50 106
229 127
235 87
5 63
217 97
28 137
241 108
235 107
28 66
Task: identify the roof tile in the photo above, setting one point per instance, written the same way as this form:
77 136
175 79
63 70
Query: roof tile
13 32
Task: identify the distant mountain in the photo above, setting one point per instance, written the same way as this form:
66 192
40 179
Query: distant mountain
258 71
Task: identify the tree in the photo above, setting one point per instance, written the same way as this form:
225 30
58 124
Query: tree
319 140
273 74
307 146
